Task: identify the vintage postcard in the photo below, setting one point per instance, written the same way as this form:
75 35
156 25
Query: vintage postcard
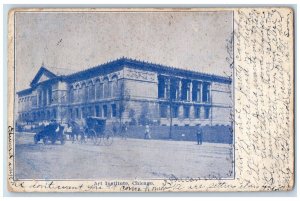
150 100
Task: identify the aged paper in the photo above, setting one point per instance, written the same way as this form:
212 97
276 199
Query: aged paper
151 100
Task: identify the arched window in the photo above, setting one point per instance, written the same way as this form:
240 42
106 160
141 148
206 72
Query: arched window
97 87
114 86
84 92
91 91
76 93
106 88
101 90
71 94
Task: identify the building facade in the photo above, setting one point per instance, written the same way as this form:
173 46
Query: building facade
130 91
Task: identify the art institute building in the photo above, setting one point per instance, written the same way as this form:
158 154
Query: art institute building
128 90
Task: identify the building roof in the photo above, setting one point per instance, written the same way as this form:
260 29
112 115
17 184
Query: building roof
69 75
62 71
143 65
42 71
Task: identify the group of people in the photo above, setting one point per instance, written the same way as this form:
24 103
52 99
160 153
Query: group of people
121 129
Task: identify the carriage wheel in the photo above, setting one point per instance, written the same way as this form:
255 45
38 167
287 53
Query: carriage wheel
45 140
93 136
108 137
53 140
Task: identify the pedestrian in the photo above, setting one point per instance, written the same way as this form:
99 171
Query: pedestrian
124 130
199 134
69 131
147 132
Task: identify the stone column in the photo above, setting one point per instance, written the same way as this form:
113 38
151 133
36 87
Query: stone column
168 112
209 92
37 98
191 91
188 91
42 99
167 88
180 112
200 91
192 112
47 97
102 90
179 89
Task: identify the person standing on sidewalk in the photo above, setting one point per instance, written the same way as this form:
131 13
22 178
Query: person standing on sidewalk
147 132
199 134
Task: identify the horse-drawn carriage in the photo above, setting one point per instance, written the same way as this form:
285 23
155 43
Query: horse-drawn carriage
94 129
51 133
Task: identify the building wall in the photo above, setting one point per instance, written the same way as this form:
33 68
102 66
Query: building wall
140 84
137 91
221 116
141 89
222 102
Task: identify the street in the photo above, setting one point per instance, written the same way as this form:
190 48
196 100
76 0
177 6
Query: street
124 159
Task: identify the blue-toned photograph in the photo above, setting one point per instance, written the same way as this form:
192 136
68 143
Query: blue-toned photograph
124 95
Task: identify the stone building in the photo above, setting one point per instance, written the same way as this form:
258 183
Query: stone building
128 90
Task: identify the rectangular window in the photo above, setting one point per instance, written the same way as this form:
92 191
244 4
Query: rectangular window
186 111
161 87
175 111
194 91
54 113
70 113
97 110
199 92
44 97
188 93
104 110
39 98
184 90
207 111
33 101
163 111
83 114
173 89
77 113
197 112
50 96
113 110
206 92
90 113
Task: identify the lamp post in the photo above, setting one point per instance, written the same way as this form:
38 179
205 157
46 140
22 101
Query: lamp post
171 116
171 106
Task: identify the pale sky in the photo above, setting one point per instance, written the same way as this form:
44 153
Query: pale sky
77 41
